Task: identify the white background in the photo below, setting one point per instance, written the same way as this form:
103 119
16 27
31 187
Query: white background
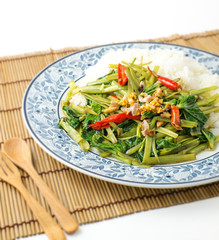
29 26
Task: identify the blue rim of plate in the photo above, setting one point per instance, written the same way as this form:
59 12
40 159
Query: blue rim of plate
40 110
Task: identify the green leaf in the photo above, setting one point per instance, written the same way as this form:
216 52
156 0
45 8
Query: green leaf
98 140
73 116
210 137
147 115
167 143
71 112
74 122
193 113
132 142
186 101
202 138
173 101
96 107
90 119
87 133
138 155
127 125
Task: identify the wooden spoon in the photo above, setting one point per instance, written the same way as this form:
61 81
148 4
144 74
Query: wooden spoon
18 151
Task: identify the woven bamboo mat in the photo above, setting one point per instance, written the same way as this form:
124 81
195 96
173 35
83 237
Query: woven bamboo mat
87 198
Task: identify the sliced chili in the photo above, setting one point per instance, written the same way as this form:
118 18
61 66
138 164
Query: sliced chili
116 118
166 81
122 77
115 96
175 118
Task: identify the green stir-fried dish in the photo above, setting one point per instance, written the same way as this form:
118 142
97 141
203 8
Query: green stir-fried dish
140 117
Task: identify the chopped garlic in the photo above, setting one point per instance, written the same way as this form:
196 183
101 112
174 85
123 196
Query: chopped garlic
79 100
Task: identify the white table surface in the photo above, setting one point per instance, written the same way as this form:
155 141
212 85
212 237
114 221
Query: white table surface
29 26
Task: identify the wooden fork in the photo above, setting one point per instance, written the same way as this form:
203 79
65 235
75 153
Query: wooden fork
10 174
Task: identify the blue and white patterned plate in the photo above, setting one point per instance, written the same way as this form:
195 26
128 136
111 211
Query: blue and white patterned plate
41 114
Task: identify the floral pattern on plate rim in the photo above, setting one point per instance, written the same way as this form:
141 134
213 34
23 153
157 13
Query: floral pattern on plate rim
41 113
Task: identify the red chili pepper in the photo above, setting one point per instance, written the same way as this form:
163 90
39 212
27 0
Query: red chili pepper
166 81
116 118
115 96
122 77
175 119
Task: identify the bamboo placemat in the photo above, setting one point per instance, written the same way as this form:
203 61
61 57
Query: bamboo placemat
87 198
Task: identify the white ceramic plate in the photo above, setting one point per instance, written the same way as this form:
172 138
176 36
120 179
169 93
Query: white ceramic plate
41 114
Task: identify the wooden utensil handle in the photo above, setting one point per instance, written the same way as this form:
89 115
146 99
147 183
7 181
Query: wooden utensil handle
64 218
48 224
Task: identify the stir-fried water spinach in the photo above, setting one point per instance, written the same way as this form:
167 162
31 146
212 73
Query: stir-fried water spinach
139 117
